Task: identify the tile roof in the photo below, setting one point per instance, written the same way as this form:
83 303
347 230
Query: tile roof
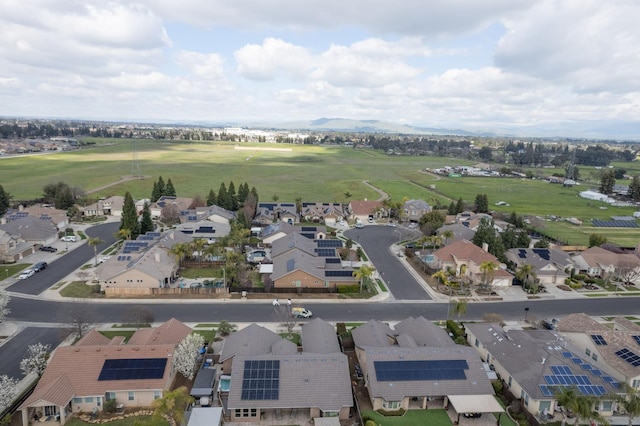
251 340
464 250
93 338
170 332
359 208
424 332
305 380
373 333
320 337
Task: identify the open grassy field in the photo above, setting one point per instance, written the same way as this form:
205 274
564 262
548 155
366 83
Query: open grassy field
314 173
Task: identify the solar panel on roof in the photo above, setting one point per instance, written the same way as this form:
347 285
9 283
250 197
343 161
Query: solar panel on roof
637 339
629 356
567 354
543 253
308 235
261 380
546 390
338 273
332 260
387 371
328 243
522 254
133 369
309 229
322 252
598 340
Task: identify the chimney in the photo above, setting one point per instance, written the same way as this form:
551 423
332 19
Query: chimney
157 256
485 247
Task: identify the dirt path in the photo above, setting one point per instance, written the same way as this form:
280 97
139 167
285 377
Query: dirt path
383 195
121 180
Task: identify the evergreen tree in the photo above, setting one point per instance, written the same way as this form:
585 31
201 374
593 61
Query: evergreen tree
243 192
254 192
129 220
169 190
523 239
211 198
5 201
486 233
460 205
634 189
607 181
232 197
482 203
452 209
64 198
155 194
222 196
160 187
146 224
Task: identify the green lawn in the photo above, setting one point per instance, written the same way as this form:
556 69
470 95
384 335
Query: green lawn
80 289
12 269
113 333
411 418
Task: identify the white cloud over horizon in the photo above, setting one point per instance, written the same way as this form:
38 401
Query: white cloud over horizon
487 65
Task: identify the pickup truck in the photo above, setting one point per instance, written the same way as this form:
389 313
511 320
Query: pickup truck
301 313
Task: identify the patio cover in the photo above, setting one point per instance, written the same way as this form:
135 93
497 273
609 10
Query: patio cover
475 404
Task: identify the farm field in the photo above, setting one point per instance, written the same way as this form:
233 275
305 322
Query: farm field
318 173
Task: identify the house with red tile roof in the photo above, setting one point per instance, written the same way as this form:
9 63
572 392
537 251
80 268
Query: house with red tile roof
465 258
82 377
363 210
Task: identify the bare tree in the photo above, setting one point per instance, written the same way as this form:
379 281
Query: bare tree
79 316
282 314
185 357
627 271
138 315
170 214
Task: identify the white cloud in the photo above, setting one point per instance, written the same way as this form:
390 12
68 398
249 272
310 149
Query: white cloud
207 66
272 57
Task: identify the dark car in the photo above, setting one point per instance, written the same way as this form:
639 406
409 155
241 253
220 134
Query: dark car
49 249
40 266
472 415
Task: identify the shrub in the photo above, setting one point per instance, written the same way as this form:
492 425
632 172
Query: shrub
395 413
575 285
341 329
110 406
497 386
370 423
454 328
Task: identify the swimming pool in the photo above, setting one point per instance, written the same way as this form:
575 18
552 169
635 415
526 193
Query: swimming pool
224 384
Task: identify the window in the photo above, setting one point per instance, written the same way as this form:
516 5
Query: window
131 396
544 405
77 400
477 343
245 412
88 400
607 406
330 414
110 396
594 356
635 384
157 394
98 401
526 400
509 381
588 352
390 405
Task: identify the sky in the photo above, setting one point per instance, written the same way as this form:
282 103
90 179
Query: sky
492 65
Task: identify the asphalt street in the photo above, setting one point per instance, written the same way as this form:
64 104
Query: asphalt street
376 241
15 349
65 263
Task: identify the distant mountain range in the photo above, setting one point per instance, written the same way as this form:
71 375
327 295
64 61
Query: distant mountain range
628 131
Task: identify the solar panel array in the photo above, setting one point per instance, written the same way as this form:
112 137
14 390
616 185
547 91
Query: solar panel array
133 369
522 253
261 380
599 340
332 260
391 371
309 229
325 252
629 356
206 230
637 339
328 243
134 246
543 253
562 377
124 258
338 273
614 223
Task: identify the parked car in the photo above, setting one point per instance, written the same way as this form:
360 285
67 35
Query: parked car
359 225
370 219
472 415
69 238
40 266
27 273
48 249
301 313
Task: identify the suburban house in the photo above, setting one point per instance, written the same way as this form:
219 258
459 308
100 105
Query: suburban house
270 378
413 210
58 217
267 213
551 266
143 263
327 213
473 220
207 229
363 210
416 365
133 374
465 259
177 204
111 206
550 363
13 248
300 262
35 230
211 213
275 231
614 351
598 262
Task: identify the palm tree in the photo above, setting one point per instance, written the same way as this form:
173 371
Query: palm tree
198 246
180 250
630 401
488 271
459 308
524 273
362 273
94 242
173 404
124 234
445 235
581 405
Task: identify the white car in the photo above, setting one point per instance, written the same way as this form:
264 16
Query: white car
69 238
27 273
